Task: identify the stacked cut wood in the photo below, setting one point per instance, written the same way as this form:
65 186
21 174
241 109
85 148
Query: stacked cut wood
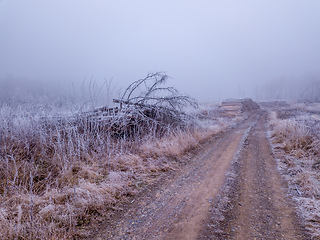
231 107
235 107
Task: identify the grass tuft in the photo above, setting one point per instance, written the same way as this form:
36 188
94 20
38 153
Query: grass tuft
296 144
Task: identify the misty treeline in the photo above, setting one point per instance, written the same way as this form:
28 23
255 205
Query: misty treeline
74 96
290 89
91 92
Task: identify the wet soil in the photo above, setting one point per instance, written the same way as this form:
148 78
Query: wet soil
230 190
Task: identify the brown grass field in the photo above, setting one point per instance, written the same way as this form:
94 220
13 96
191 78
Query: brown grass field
55 181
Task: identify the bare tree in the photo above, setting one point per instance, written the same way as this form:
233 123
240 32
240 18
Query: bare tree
150 91
149 103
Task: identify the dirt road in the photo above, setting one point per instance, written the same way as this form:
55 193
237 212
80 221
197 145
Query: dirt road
231 190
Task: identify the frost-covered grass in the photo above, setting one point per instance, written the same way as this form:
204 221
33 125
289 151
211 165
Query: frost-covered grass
296 142
56 178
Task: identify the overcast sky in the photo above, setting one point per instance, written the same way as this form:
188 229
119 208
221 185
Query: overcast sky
212 49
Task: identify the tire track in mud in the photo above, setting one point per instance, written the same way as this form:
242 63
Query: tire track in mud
254 203
177 208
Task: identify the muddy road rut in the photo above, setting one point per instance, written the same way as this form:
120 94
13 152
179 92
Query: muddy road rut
231 190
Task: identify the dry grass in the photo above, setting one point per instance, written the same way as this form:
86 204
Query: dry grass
55 180
296 144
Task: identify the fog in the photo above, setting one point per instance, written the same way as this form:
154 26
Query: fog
211 49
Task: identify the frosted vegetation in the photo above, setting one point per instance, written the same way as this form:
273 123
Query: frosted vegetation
296 139
57 176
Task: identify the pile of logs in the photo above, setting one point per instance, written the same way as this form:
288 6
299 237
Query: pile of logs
235 107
